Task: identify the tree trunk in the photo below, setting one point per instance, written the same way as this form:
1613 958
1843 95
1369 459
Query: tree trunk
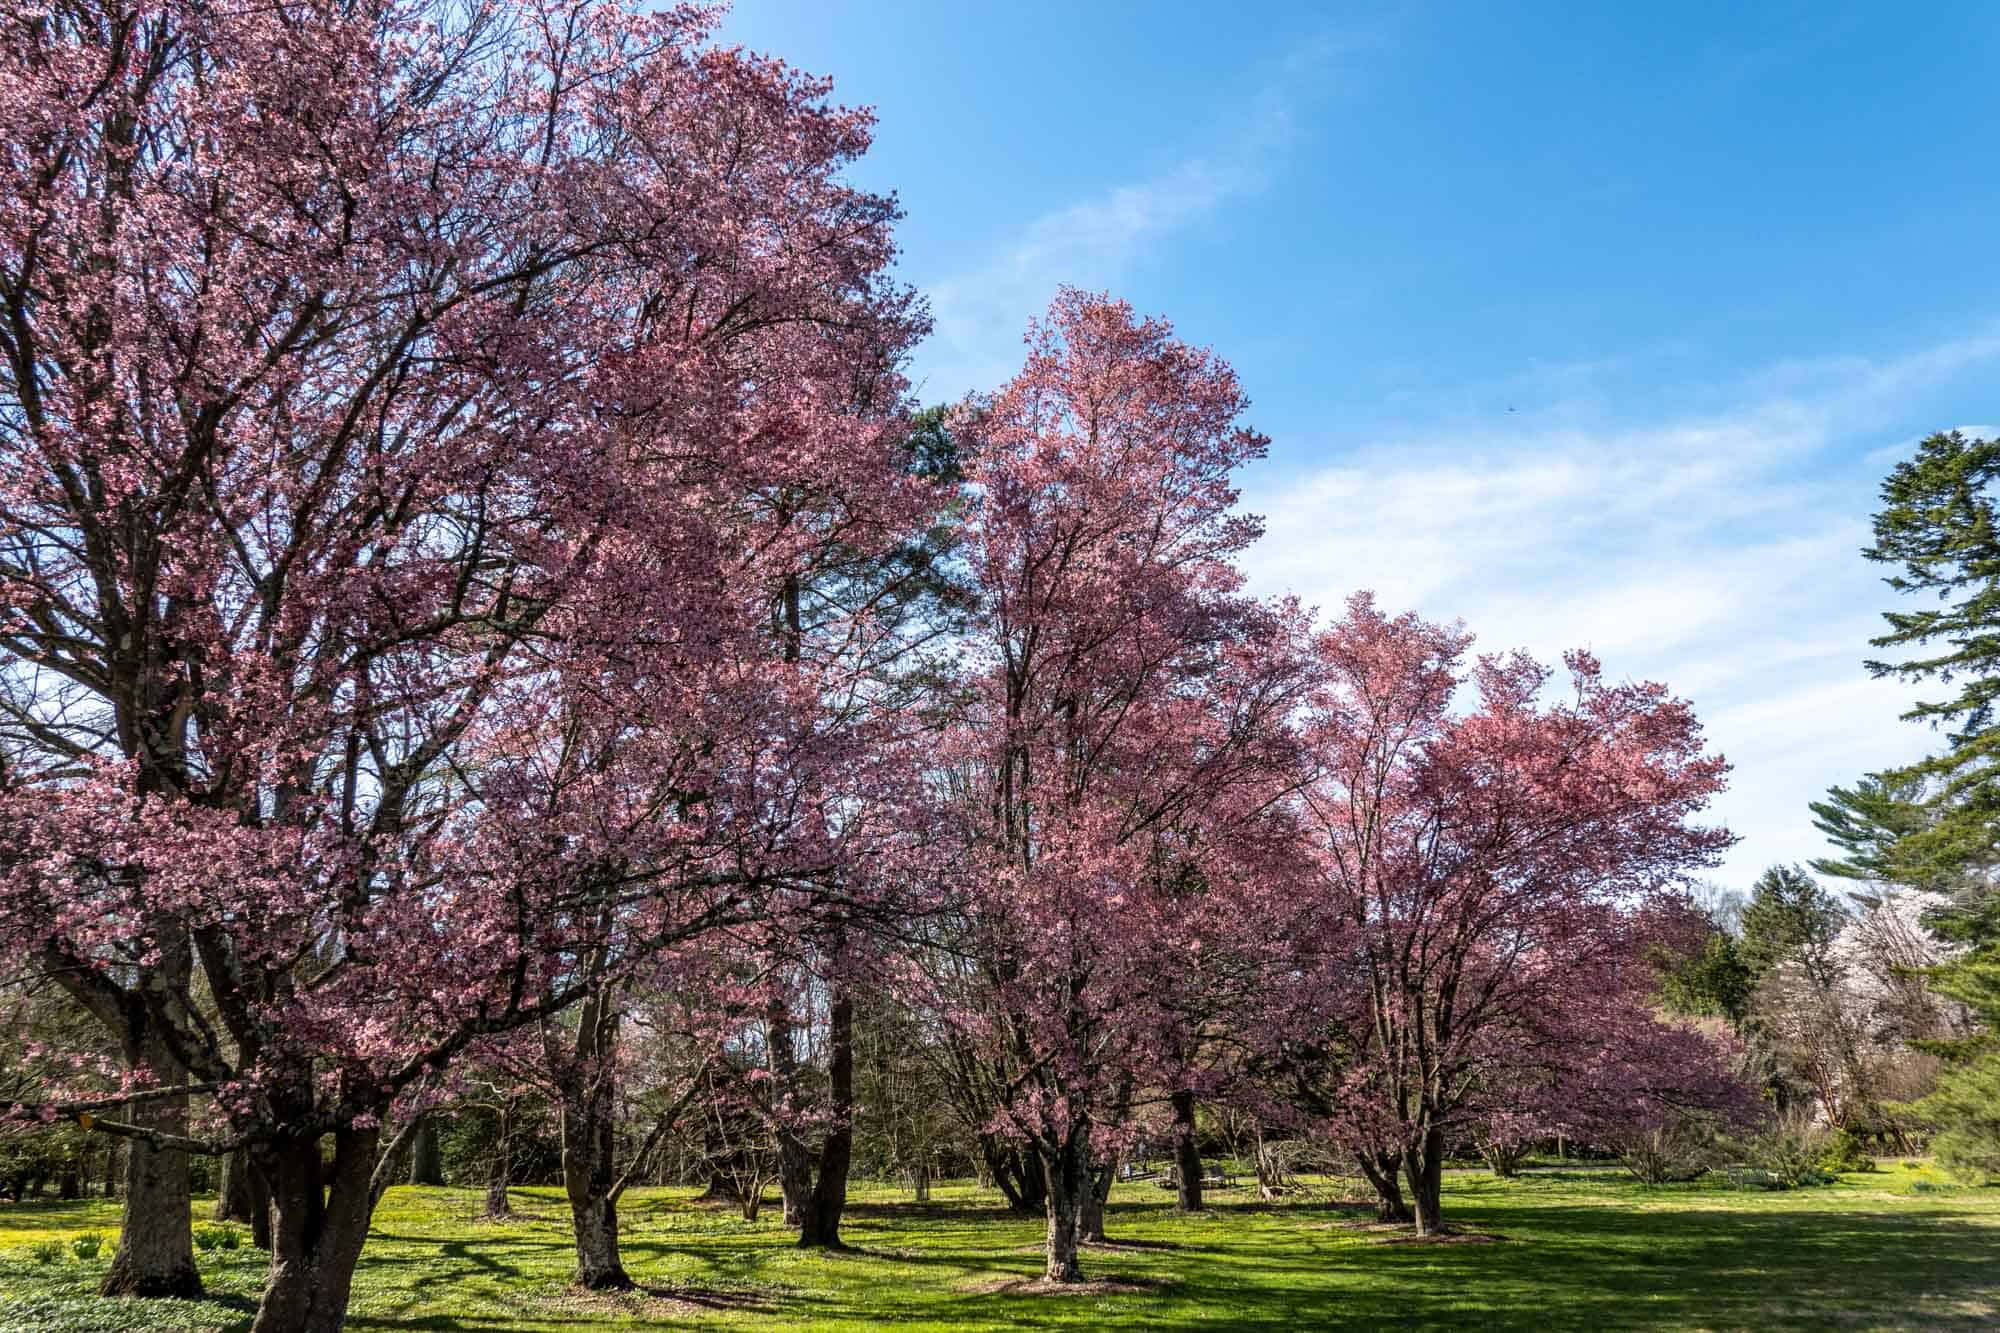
819 1226
111 1159
260 1211
599 1266
240 1196
232 1187
1187 1154
1018 1173
1270 1180
69 1180
1424 1165
502 1167
1066 1173
318 1226
795 1176
921 1179
1091 1223
589 1174
1382 1170
156 1245
426 1161
589 1139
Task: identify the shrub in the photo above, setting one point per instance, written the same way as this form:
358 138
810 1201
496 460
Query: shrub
87 1245
1791 1150
1844 1151
217 1238
48 1251
1504 1157
1678 1150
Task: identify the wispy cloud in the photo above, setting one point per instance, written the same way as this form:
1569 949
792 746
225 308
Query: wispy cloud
979 316
981 312
1719 553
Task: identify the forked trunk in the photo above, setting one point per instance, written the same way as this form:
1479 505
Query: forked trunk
319 1222
156 1245
589 1146
1187 1154
1382 1170
1066 1172
588 1181
1018 1173
1270 1178
1424 1165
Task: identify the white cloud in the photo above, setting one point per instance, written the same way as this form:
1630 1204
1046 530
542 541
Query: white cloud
1719 554
981 312
979 316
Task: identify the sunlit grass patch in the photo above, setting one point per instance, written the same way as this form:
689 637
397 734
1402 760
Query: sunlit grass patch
1582 1249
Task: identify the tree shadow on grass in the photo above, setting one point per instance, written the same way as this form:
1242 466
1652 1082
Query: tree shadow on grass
961 1214
1585 1266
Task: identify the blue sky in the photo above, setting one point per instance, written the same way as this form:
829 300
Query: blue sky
1591 325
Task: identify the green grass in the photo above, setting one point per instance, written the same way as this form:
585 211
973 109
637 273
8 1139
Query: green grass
1574 1250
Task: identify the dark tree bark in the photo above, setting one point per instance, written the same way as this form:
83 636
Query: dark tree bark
319 1221
1424 1165
1066 1172
232 1187
1018 1174
1187 1154
426 1160
721 1189
1091 1223
500 1170
241 1197
155 1254
589 1141
587 1074
156 1243
819 1223
1383 1171
795 1174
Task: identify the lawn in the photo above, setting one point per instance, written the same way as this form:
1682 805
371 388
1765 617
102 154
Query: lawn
1546 1251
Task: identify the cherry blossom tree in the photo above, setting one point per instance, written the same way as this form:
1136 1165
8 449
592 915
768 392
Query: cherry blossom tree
1121 692
410 412
1488 886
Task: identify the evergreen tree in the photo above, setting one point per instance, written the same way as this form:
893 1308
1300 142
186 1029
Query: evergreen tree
1937 525
1788 916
